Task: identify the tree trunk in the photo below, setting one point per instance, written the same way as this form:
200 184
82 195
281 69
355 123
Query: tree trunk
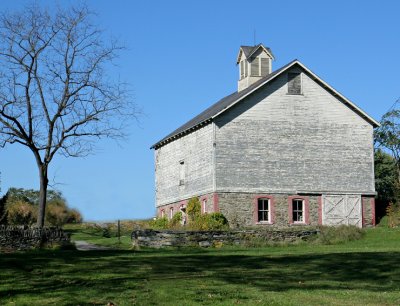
42 194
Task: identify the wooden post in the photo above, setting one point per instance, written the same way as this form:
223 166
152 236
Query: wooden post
119 232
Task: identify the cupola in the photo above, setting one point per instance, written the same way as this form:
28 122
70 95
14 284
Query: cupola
254 63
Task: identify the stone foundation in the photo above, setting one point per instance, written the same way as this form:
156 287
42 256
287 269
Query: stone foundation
167 238
241 209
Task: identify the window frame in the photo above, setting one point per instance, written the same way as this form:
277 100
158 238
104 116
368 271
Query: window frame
171 213
182 172
204 205
306 212
271 213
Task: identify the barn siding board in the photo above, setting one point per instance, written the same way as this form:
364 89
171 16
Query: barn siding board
284 142
196 149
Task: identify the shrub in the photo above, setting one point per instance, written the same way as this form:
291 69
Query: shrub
216 221
106 231
176 220
74 216
20 212
159 223
208 222
340 234
193 209
56 213
393 215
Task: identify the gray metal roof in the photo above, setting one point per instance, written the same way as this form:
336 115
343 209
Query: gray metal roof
249 50
214 110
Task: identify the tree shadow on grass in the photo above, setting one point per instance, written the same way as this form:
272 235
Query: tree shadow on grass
67 273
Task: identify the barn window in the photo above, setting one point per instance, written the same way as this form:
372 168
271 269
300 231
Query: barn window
204 206
181 173
298 210
294 83
264 210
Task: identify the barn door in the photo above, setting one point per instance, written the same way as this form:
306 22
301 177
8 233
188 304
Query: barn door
341 209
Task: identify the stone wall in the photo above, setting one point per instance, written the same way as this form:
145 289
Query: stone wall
167 238
23 237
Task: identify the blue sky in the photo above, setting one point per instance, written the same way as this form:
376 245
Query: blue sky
181 59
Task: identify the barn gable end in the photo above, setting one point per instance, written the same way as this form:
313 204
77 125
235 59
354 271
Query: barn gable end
286 149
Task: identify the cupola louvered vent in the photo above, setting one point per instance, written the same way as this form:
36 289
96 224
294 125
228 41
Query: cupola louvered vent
254 63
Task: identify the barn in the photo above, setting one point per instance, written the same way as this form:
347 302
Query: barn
285 149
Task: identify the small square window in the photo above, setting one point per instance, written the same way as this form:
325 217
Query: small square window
264 210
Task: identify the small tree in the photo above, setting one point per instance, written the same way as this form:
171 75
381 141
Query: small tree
193 209
388 136
57 213
56 96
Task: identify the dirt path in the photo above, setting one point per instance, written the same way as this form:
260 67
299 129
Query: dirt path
86 246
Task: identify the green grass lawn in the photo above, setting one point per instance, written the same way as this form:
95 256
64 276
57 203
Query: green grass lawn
363 272
94 234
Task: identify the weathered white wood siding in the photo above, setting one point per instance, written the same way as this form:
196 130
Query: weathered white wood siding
195 149
275 142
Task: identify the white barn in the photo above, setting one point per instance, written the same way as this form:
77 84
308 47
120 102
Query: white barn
285 149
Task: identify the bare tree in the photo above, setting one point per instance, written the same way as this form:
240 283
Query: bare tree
55 94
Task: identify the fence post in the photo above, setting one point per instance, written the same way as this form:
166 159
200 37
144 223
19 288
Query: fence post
119 232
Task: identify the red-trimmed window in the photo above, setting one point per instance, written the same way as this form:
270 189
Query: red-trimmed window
171 212
298 210
204 206
263 210
162 213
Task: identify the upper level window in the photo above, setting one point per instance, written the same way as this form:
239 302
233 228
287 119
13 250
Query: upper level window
294 83
264 210
298 210
181 173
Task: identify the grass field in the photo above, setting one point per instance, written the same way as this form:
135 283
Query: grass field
363 272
